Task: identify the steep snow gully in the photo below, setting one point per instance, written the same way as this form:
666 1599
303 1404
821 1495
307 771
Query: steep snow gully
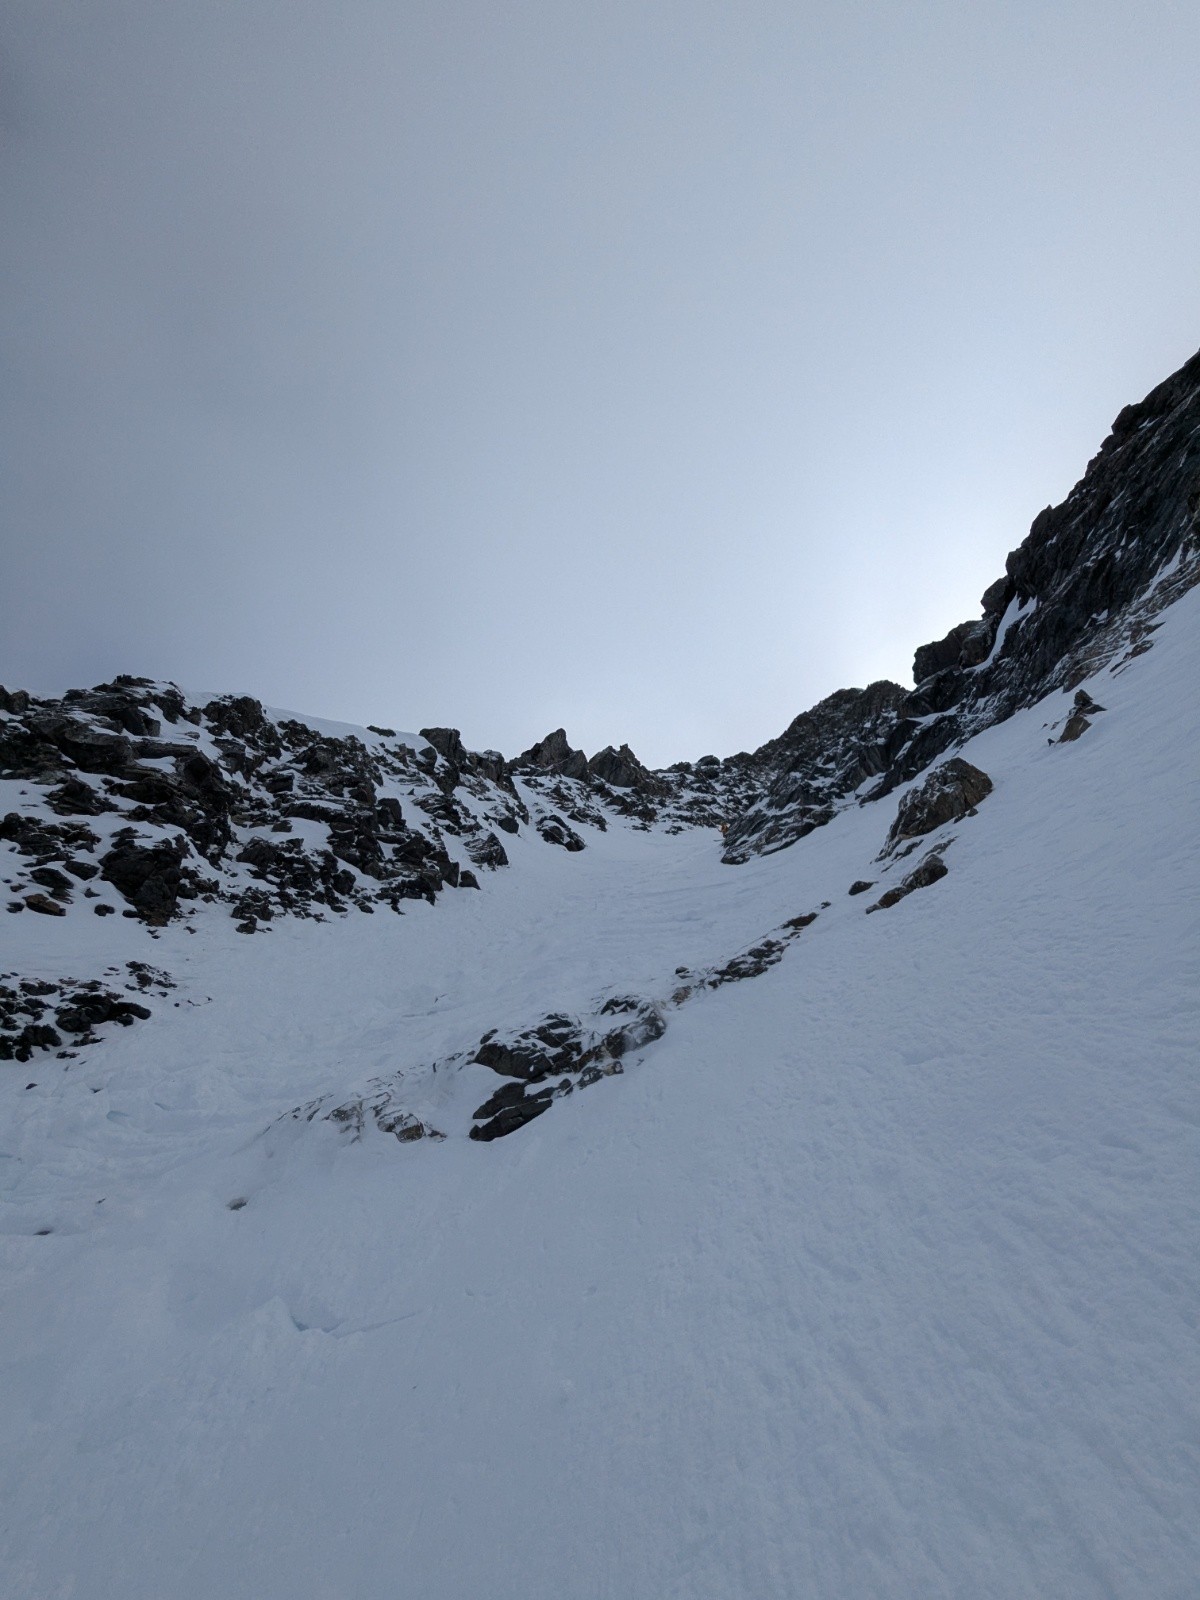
431 1175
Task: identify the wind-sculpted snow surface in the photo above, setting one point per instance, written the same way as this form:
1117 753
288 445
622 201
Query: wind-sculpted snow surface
875 1276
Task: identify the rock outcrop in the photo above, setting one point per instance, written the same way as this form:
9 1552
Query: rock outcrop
813 768
1080 720
36 1013
222 801
931 869
950 792
230 804
551 1058
554 754
621 768
1080 592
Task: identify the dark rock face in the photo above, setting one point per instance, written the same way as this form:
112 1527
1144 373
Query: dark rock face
1082 589
488 853
750 963
354 1116
539 1065
554 754
149 878
51 878
620 767
555 831
447 742
574 1053
1079 594
52 847
74 798
559 1054
91 749
239 717
824 756
90 1010
965 646
643 1024
950 792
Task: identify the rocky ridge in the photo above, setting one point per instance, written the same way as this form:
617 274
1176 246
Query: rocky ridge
130 798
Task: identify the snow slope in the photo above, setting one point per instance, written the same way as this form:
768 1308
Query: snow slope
876 1276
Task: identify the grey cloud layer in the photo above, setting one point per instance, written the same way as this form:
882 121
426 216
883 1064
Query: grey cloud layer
652 369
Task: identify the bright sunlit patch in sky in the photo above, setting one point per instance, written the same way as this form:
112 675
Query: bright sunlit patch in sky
651 370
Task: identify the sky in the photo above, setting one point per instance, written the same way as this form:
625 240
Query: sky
650 369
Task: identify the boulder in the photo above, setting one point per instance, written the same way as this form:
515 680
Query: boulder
929 871
51 878
513 1115
554 1046
964 646
75 798
27 753
148 877
645 1024
996 597
44 904
555 831
951 791
750 963
120 708
91 749
87 1011
488 852
1078 723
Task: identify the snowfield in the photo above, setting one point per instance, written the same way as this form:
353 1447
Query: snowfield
877 1276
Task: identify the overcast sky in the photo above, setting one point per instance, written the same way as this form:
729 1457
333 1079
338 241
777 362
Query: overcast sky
652 369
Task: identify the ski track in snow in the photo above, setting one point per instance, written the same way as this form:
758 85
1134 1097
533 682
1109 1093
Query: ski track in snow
877 1276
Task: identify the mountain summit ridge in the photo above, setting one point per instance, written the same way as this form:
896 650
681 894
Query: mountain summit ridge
408 817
